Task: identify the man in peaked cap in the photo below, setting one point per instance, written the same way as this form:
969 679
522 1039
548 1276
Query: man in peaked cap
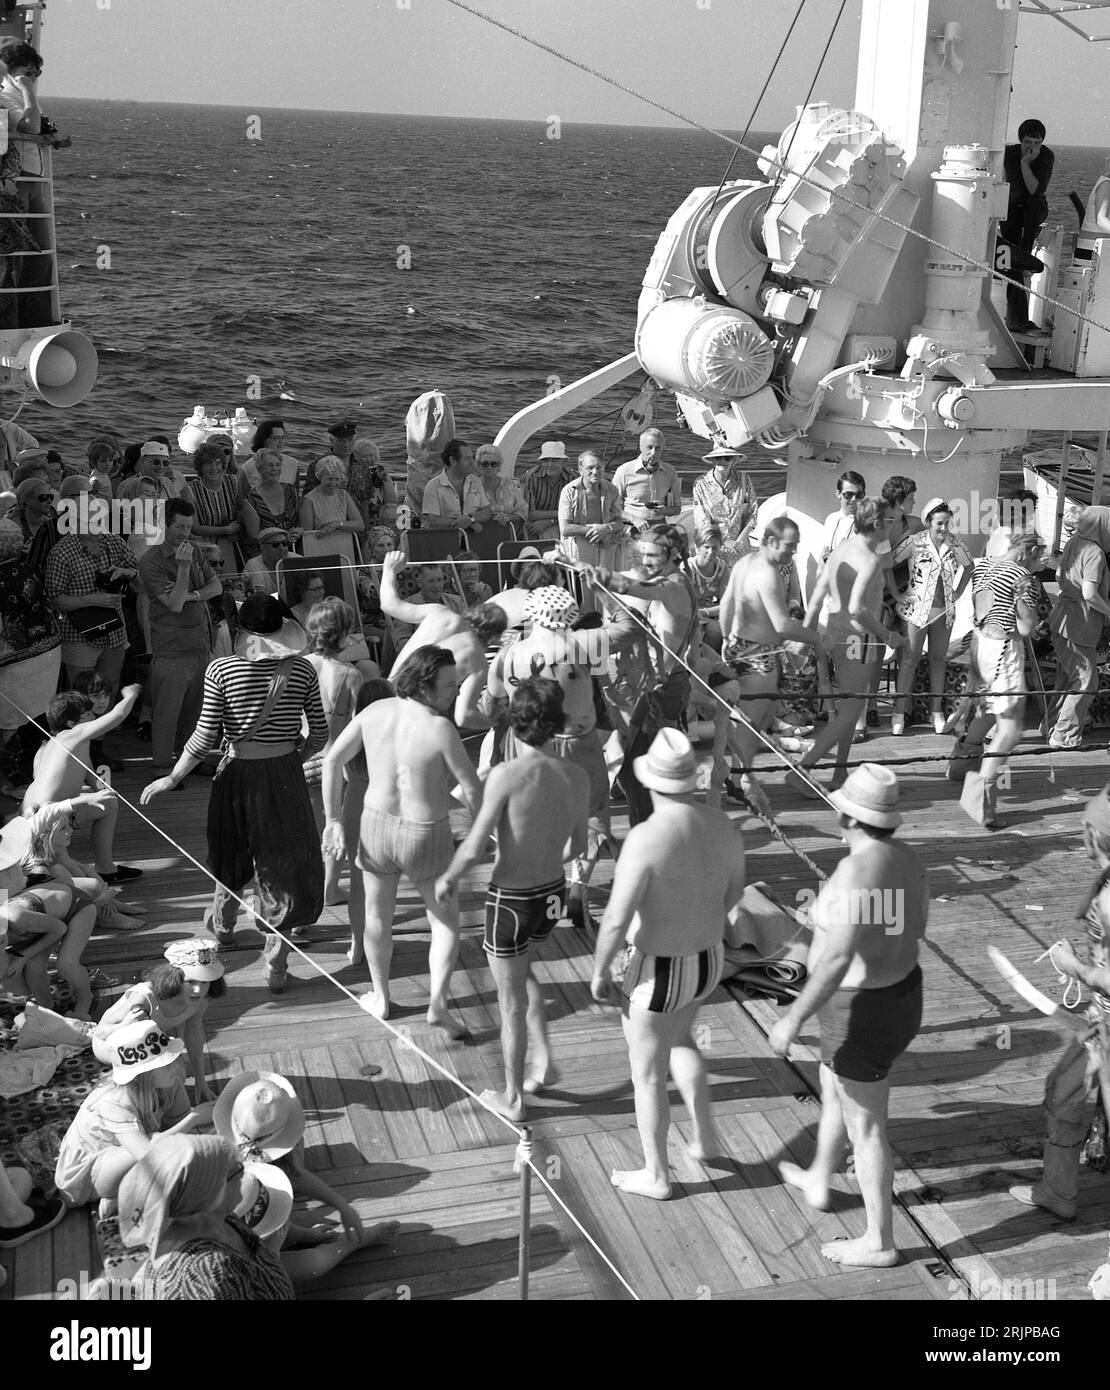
1083 1072
864 986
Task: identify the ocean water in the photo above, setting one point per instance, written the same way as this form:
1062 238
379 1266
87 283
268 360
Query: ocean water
233 258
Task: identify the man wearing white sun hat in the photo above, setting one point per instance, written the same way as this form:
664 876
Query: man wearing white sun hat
865 988
680 873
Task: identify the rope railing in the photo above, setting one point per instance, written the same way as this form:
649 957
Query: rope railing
404 1038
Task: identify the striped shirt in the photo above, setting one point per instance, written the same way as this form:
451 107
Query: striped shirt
1006 584
234 693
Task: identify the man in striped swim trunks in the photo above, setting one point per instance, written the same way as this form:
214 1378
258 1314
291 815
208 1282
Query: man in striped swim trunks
537 804
680 874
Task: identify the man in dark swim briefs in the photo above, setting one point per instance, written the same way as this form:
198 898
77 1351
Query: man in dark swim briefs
537 804
865 987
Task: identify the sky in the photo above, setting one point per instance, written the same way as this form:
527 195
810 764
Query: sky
704 58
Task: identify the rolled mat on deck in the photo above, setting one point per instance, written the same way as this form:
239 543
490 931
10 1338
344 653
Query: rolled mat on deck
767 945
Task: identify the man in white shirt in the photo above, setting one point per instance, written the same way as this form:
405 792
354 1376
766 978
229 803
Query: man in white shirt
839 525
649 489
455 497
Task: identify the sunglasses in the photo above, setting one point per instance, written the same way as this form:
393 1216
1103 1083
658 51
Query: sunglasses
851 496
46 497
277 545
216 564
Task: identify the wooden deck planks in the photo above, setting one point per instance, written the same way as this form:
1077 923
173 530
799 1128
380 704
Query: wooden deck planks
965 1101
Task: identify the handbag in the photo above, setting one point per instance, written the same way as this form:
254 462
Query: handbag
94 624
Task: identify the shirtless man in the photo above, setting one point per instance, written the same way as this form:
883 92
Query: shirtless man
414 758
865 987
536 804
464 635
755 622
850 590
672 616
553 650
62 764
680 874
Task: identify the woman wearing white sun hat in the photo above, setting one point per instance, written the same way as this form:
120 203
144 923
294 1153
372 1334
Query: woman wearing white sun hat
124 1115
259 1114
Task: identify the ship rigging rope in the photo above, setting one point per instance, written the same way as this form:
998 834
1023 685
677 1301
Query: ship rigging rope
404 1038
785 161
759 98
834 193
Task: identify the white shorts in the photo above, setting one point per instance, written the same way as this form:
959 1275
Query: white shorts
998 664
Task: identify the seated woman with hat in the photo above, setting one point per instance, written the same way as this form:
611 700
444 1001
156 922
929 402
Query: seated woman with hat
179 1203
259 1114
174 996
120 1120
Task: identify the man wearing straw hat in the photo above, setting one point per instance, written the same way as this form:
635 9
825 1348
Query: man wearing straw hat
865 987
680 874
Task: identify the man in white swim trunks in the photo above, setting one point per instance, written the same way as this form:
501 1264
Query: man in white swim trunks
680 874
755 623
536 804
850 591
414 757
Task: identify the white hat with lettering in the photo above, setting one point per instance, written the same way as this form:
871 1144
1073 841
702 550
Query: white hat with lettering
138 1047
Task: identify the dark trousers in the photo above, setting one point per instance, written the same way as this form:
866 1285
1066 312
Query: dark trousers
658 708
1022 230
261 826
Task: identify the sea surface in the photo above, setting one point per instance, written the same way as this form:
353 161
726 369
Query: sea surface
223 258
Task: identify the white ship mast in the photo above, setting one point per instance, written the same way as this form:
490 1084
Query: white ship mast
841 310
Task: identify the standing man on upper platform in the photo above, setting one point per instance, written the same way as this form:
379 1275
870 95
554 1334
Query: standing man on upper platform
1028 168
649 489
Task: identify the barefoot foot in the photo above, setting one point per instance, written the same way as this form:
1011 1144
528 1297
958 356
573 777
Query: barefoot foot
542 1081
380 1233
440 1018
706 1148
375 1004
862 1252
496 1101
641 1184
813 1188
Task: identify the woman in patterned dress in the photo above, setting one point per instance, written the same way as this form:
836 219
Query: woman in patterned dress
214 493
928 605
178 1204
268 503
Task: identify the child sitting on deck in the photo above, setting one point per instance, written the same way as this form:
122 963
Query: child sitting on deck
260 1115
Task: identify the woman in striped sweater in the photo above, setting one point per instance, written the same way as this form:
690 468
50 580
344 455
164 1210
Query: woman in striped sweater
260 821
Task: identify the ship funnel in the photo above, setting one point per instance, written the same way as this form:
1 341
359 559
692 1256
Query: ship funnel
58 363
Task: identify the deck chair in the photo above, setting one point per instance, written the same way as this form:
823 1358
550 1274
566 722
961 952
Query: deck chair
340 581
432 545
